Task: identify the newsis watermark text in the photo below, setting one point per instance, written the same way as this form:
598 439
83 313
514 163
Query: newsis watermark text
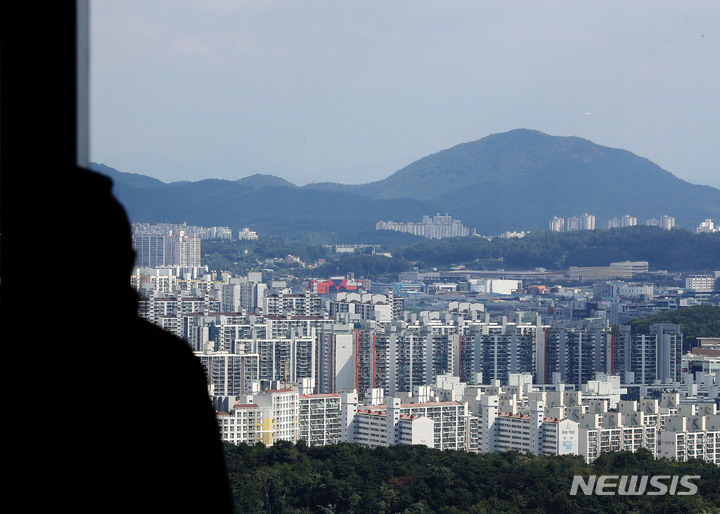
635 485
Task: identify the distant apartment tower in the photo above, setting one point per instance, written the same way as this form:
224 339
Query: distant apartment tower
584 222
706 226
281 415
149 250
625 221
155 250
572 223
557 224
628 221
665 222
437 227
587 222
184 250
248 234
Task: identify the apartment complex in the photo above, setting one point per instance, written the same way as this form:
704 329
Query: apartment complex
160 249
625 221
437 227
356 367
584 222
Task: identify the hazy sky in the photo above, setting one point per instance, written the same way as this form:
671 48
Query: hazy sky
352 91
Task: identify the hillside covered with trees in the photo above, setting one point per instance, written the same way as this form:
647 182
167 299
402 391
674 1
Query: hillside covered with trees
675 250
288 478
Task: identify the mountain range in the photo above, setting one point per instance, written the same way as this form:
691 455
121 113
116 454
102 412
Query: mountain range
516 180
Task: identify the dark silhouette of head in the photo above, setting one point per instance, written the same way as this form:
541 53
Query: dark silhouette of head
101 245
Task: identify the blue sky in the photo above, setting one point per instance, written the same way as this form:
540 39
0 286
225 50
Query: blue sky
351 91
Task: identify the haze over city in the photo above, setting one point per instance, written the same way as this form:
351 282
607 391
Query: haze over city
351 92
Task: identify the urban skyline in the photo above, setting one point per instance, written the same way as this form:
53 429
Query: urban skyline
367 367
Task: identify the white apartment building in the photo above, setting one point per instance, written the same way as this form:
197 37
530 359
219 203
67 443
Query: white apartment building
557 224
437 227
700 283
693 436
502 427
665 222
243 424
707 226
319 419
442 425
248 234
229 374
293 304
281 415
378 307
587 222
163 280
625 221
336 360
265 417
613 431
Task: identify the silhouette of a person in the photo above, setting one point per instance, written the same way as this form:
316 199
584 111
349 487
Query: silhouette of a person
137 430
102 411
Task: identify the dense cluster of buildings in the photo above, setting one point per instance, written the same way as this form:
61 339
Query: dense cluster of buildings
437 227
344 360
544 419
169 244
584 222
587 222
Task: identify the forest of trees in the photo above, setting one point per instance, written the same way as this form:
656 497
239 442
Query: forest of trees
674 250
295 478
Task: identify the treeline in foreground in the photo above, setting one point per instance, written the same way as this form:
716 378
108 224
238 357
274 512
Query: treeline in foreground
295 478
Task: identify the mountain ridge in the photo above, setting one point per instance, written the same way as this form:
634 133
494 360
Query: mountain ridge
516 180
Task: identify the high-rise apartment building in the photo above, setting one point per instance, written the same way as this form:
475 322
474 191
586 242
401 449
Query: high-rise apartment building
557 224
706 226
494 351
576 352
504 429
319 419
436 424
150 250
665 222
156 250
587 222
229 374
650 357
